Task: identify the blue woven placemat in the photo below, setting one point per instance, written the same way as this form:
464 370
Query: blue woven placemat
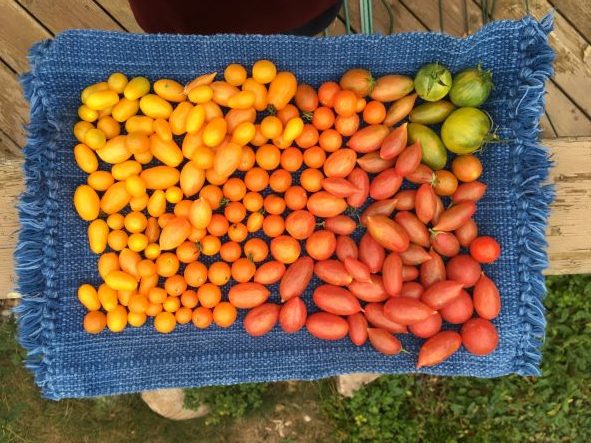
53 258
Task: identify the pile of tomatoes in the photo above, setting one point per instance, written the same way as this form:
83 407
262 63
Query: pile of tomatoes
267 181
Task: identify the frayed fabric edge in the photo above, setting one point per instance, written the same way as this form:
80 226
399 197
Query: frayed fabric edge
35 256
532 193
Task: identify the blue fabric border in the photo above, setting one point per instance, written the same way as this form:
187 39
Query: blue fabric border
39 213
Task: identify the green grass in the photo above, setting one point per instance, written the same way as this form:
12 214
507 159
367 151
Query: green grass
553 408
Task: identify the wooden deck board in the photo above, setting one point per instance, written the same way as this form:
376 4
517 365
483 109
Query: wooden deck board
569 233
14 112
18 32
121 11
578 13
572 74
59 15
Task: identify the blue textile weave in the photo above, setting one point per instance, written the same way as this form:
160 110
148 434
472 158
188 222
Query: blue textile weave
53 257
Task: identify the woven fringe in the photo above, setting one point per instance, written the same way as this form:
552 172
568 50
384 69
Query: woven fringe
35 255
533 194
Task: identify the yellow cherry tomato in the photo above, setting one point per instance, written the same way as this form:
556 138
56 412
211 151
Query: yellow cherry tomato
88 296
85 158
155 106
136 88
117 81
86 202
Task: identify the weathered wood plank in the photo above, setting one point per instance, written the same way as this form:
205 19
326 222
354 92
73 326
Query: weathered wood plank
59 15
18 31
8 147
572 71
122 13
569 228
14 112
569 233
11 183
567 118
578 13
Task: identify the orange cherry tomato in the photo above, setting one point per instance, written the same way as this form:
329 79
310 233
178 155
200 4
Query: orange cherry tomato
230 251
210 245
248 159
311 179
287 113
330 140
224 314
187 252
256 179
202 317
195 274
175 285
308 137
252 201
345 103
256 250
219 273
374 113
273 225
213 194
167 264
466 168
209 295
314 157
237 232
295 198
323 118
280 180
285 249
274 204
291 159
327 93
243 270
235 212
445 183
234 189
189 299
268 157
347 126
255 222
218 225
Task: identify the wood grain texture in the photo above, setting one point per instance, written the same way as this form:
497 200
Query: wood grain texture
14 108
569 233
121 11
11 184
59 15
18 31
572 66
576 12
9 148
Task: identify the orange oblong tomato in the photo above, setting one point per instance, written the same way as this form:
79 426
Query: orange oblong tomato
191 179
235 117
174 233
167 151
323 204
160 177
281 90
227 159
222 91
259 91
